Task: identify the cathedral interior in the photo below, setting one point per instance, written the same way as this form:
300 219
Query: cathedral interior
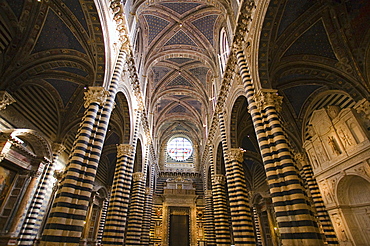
185 123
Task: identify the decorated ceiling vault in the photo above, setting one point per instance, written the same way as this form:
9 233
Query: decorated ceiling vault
183 123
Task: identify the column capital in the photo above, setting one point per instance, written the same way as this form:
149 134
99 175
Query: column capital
208 193
138 176
236 154
124 149
268 97
58 148
363 106
219 179
5 99
95 94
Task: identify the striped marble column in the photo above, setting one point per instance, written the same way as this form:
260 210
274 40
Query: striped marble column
322 213
120 196
148 208
40 201
66 220
221 213
209 224
134 225
137 205
115 221
296 222
241 218
103 217
220 209
257 227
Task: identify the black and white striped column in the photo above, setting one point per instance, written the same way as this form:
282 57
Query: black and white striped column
209 223
241 218
115 221
40 201
103 217
221 213
295 218
67 217
148 208
134 225
118 206
322 213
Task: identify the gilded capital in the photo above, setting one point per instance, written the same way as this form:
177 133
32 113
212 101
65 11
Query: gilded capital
236 154
219 179
124 149
268 97
95 94
5 99
138 176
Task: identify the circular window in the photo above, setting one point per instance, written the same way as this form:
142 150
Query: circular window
179 149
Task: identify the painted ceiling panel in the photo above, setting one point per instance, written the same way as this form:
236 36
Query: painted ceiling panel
56 35
293 9
180 60
181 8
200 73
178 109
180 38
156 25
312 42
298 95
180 81
196 104
75 7
159 73
16 6
65 88
206 26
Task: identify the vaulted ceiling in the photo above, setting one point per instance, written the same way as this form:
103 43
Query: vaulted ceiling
50 51
178 56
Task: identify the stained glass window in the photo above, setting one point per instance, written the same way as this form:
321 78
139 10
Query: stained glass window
179 149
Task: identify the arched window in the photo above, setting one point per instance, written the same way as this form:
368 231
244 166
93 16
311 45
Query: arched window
224 49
